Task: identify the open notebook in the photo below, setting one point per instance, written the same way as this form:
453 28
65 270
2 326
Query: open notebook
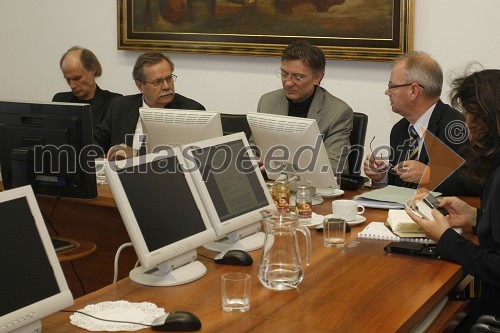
378 230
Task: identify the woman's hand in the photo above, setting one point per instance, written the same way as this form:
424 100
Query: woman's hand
432 229
460 213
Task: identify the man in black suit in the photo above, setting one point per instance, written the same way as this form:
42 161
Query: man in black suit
153 75
80 67
414 91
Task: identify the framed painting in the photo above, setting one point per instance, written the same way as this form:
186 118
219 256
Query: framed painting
344 29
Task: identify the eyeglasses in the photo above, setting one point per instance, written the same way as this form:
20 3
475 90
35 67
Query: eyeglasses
297 78
388 166
159 82
391 86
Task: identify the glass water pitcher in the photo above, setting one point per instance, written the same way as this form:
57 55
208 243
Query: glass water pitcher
280 267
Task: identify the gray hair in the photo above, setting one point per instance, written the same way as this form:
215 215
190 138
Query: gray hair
421 68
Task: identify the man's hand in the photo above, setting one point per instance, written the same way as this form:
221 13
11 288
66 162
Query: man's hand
413 172
375 169
121 152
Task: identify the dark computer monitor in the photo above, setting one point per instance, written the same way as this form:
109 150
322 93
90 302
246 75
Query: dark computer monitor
48 146
32 284
164 217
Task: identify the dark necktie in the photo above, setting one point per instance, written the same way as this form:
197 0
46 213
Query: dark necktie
413 144
413 151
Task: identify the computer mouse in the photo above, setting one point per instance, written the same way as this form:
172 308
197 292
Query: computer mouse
178 321
234 257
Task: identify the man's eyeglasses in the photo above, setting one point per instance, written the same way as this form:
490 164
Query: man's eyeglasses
391 86
388 166
297 78
159 82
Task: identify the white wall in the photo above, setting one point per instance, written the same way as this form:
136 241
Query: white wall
35 33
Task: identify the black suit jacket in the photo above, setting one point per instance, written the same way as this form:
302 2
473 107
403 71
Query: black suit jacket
442 115
119 124
99 104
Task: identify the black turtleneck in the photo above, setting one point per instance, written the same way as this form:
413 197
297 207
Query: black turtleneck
302 108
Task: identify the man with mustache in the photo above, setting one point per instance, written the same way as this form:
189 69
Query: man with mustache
153 75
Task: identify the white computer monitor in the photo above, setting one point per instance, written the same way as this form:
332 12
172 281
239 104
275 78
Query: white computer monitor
164 217
174 127
32 284
232 188
294 147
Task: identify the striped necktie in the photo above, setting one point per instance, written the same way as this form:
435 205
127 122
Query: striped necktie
413 151
413 145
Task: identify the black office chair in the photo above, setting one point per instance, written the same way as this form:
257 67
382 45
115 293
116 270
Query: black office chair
234 123
357 140
486 324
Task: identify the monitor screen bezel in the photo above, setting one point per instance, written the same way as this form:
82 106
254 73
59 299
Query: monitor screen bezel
36 311
266 138
150 259
237 222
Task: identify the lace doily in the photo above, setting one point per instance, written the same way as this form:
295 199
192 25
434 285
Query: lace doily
143 313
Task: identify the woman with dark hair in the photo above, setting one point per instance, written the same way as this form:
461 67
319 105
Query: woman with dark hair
478 95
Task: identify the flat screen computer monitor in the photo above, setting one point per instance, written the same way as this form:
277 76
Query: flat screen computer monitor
292 146
171 127
48 146
164 217
232 188
32 284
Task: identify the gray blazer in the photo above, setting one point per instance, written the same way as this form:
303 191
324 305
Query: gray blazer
333 115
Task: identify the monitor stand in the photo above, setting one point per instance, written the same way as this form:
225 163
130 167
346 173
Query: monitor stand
33 327
249 243
317 199
171 272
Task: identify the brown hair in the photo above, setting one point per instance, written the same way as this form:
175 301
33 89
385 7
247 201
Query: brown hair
310 55
148 58
477 95
88 59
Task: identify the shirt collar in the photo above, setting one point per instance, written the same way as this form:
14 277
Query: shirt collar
422 122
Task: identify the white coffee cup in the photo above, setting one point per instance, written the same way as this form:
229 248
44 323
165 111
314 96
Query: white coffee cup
346 209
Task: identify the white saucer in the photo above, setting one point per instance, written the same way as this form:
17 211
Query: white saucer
329 193
358 220
316 220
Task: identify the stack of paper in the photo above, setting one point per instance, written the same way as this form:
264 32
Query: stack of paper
389 197
402 224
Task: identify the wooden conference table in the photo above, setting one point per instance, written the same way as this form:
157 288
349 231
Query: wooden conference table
356 289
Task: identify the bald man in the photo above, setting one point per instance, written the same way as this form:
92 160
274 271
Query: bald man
80 68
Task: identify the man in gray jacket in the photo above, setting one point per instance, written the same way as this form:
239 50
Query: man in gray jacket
301 71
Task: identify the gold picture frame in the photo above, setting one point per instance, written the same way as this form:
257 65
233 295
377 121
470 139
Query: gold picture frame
344 29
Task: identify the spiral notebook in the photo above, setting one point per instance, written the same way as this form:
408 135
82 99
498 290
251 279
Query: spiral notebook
378 230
